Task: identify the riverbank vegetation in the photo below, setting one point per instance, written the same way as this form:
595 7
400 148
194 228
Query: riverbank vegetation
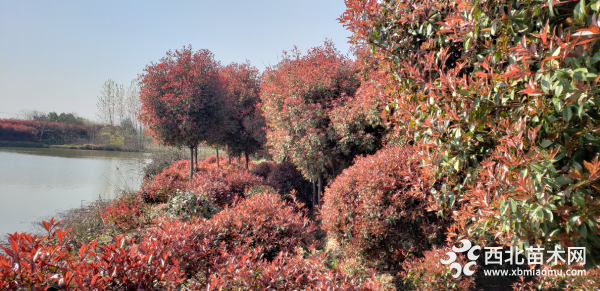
452 120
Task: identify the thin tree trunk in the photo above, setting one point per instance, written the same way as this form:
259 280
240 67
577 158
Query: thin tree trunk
217 157
246 156
314 196
196 164
191 162
320 190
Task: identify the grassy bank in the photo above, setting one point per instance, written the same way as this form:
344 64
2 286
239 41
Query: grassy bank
94 147
22 144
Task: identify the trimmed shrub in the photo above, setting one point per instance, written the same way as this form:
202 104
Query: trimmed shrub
428 274
285 177
262 220
124 212
187 205
166 183
39 263
224 186
246 269
589 281
260 189
377 209
262 169
160 160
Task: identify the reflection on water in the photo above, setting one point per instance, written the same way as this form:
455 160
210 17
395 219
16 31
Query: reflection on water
37 182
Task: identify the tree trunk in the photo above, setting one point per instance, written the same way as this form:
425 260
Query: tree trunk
217 157
196 164
246 156
314 196
320 190
191 162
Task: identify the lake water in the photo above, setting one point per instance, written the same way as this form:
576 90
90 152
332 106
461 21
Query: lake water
36 183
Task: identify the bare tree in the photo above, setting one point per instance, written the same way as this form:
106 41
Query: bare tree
32 114
106 103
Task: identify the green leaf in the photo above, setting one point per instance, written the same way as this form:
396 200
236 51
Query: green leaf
558 157
551 8
595 6
580 74
567 114
596 57
558 88
579 12
563 180
565 73
579 200
573 219
546 143
582 230
546 83
463 92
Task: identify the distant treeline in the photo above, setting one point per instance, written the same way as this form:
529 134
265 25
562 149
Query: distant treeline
38 131
69 129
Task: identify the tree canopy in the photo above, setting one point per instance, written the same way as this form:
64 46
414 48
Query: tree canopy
181 98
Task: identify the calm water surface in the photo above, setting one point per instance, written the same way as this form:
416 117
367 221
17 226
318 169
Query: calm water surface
36 183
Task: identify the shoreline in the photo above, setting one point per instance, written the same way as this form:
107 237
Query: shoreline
27 144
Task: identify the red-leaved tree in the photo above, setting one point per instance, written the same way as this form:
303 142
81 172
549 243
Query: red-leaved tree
182 98
297 95
245 133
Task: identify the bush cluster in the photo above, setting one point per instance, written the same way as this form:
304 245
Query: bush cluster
501 99
222 184
259 234
426 273
41 263
377 209
285 177
125 212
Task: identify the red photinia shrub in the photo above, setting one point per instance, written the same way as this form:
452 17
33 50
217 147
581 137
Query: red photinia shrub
377 207
360 120
194 255
262 169
166 183
34 262
144 266
587 281
16 132
429 274
36 130
212 159
502 100
246 269
37 263
223 183
124 212
285 178
262 220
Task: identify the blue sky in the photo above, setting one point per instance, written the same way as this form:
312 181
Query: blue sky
55 55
